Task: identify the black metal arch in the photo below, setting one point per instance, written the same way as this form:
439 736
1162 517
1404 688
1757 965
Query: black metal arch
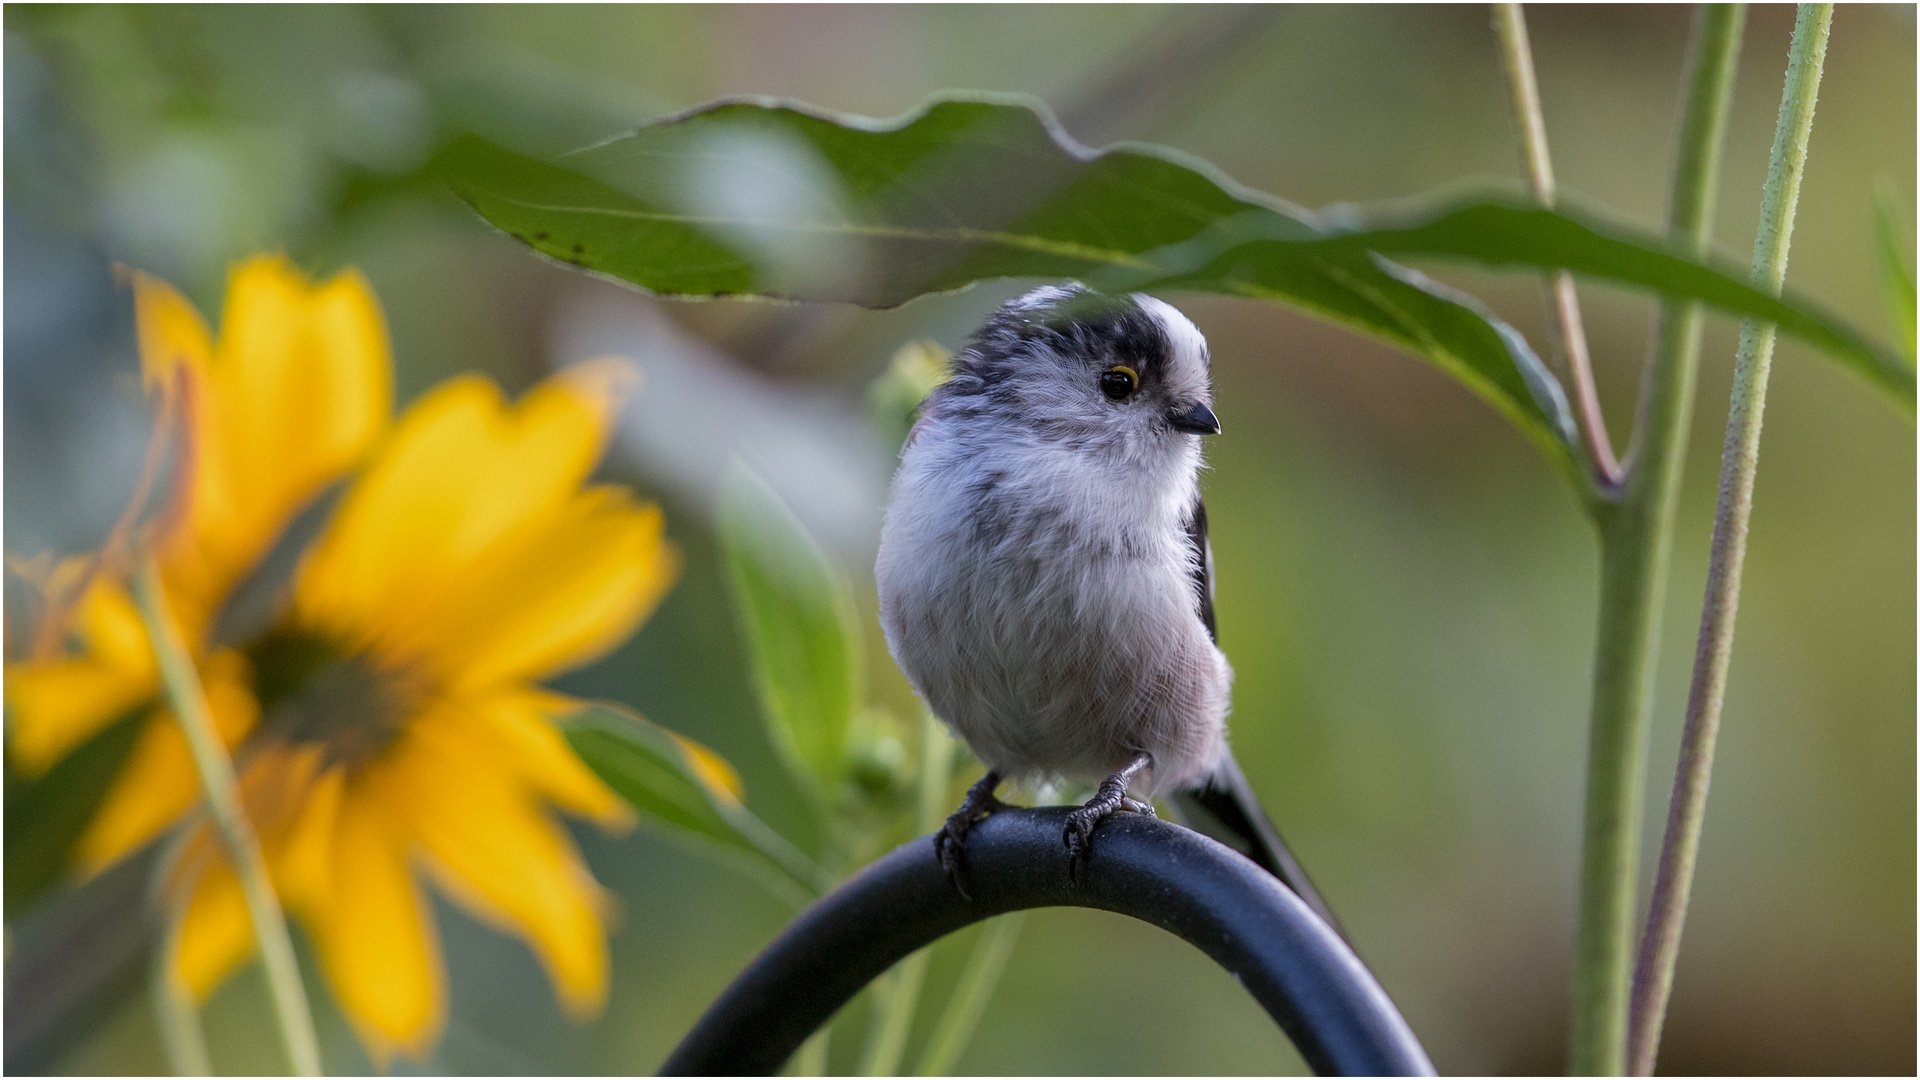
1300 971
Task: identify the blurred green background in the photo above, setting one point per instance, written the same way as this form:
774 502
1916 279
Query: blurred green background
1406 590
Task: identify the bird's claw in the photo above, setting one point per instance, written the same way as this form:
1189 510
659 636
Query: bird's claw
1078 834
1081 823
1111 799
951 841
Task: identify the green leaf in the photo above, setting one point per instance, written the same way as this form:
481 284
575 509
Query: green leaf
917 369
1896 281
802 633
685 788
47 813
763 199
1502 235
772 199
76 958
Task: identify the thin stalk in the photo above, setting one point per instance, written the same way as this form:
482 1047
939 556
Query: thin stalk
991 949
184 694
805 881
1516 56
1636 538
1739 459
175 1013
897 996
900 989
811 1058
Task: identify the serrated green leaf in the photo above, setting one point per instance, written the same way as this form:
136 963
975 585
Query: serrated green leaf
682 787
1896 281
802 634
773 199
966 191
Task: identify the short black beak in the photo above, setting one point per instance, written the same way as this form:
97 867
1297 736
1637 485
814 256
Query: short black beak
1199 420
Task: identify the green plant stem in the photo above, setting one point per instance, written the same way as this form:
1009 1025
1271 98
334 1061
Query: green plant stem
184 694
812 879
897 995
1740 458
1636 534
899 990
1516 56
175 1014
811 1058
985 963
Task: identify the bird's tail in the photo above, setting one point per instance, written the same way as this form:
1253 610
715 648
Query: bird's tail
1226 809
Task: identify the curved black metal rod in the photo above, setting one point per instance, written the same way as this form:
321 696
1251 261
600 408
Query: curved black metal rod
1214 897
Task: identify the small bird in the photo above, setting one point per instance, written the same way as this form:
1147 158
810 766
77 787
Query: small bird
1044 573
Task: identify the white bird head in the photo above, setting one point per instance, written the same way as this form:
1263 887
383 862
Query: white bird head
1063 364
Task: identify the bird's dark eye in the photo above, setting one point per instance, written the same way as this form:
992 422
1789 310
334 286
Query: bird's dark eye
1119 382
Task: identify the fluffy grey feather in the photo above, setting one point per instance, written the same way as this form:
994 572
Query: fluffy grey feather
1037 568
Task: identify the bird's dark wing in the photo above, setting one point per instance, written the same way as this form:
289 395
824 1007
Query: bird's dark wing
1203 565
1225 807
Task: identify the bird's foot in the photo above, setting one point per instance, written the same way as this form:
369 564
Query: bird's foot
1110 799
951 840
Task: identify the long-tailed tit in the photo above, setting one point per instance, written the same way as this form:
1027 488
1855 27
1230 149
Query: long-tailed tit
1044 571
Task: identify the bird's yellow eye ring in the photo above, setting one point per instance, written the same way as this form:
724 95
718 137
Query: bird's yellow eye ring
1119 382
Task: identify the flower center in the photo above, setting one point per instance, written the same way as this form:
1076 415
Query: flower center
313 691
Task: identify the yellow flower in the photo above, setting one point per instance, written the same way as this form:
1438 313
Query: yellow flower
392 726
467 562
292 396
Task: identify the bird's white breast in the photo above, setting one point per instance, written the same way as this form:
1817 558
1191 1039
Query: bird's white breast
1042 601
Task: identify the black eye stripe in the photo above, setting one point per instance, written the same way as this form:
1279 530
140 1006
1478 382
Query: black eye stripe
1129 337
1072 325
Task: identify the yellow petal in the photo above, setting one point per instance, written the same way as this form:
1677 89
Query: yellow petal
303 855
500 856
110 624
462 471
171 333
293 809
155 786
514 728
552 597
304 379
216 935
158 783
375 935
54 706
716 773
297 392
174 342
604 383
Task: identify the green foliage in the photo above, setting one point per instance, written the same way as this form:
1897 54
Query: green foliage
759 198
797 616
748 198
47 813
1508 236
915 371
802 634
1896 281
877 758
685 789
